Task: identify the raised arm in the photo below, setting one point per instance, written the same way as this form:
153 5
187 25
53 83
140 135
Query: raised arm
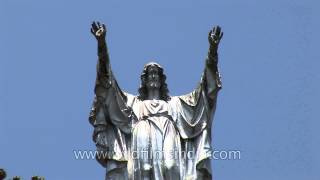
211 73
103 66
196 109
210 82
111 103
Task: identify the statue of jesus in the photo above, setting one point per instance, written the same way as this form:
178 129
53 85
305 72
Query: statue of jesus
152 135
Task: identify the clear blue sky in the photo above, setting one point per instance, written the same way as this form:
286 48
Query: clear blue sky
269 59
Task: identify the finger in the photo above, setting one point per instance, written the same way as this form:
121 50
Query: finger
210 32
104 27
218 30
99 26
221 35
92 31
94 26
214 29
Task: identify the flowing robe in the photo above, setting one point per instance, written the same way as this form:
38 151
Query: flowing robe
161 139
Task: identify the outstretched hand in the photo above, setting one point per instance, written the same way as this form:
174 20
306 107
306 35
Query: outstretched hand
215 35
98 30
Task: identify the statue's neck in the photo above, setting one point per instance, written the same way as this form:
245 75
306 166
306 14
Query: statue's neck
153 94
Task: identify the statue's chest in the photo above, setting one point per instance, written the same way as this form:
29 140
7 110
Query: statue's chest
149 107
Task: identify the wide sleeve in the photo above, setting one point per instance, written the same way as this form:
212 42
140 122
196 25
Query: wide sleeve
111 105
194 111
193 118
111 114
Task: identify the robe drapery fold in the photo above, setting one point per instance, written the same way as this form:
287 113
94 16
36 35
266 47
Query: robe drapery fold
124 125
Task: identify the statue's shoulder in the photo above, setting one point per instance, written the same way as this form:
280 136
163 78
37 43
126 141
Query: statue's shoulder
174 100
130 98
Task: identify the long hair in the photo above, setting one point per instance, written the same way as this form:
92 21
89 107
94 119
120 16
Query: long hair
143 91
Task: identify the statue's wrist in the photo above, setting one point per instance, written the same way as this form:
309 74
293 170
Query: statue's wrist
101 40
213 49
213 53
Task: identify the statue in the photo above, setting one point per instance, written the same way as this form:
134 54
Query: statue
152 135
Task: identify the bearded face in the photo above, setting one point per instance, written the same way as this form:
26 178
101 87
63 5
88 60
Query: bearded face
153 80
